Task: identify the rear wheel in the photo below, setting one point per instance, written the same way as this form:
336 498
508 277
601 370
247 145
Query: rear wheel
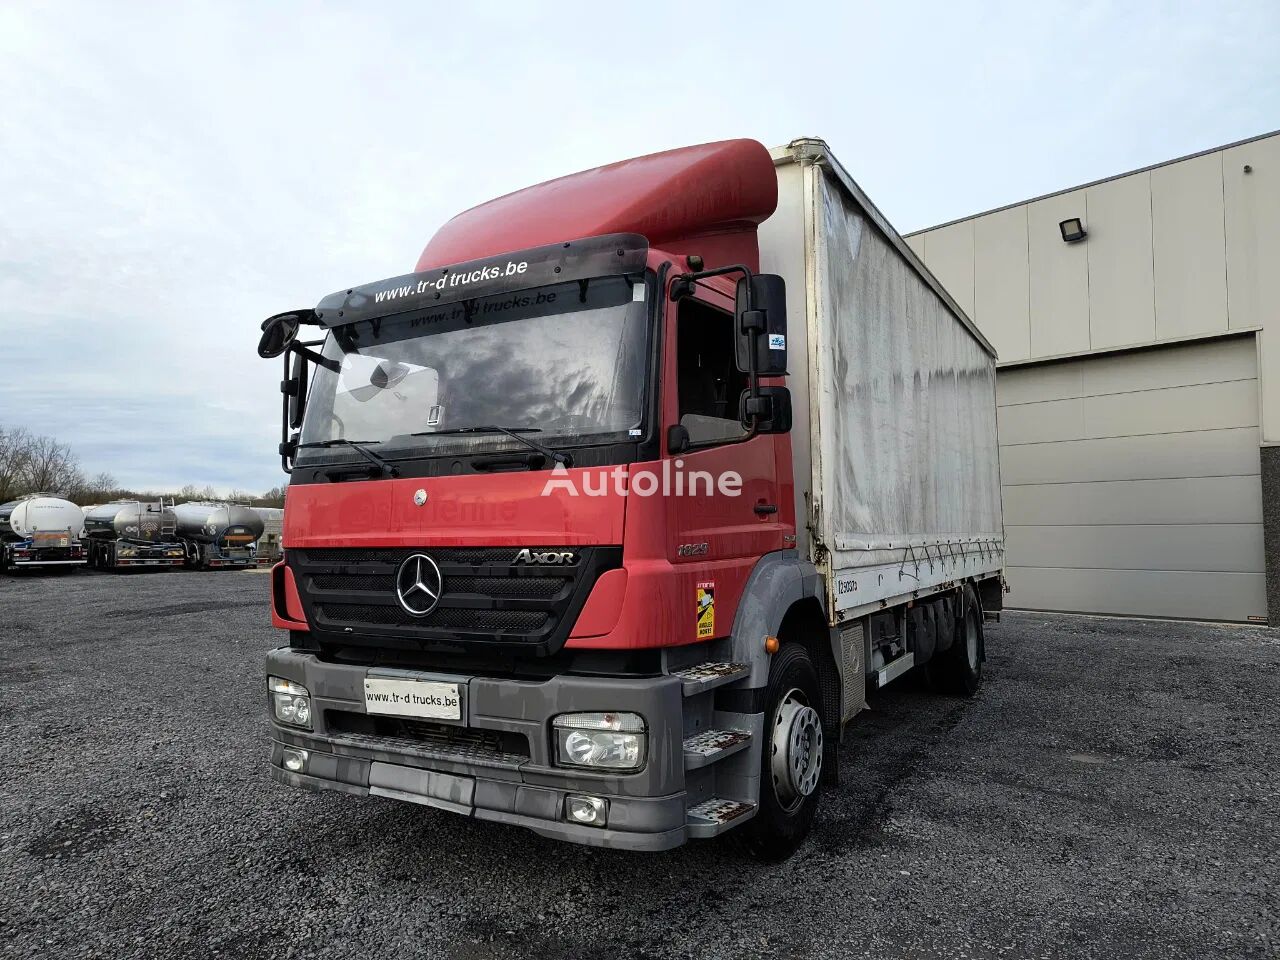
791 758
958 669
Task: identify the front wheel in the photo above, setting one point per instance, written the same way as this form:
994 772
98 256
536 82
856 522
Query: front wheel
791 758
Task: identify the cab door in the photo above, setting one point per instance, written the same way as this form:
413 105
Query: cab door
726 506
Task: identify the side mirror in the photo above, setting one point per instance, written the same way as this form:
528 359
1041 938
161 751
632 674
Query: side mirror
771 408
277 333
295 389
763 327
677 438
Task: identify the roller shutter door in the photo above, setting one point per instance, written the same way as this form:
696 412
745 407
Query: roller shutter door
1131 483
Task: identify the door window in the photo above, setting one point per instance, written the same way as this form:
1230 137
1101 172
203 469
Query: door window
709 384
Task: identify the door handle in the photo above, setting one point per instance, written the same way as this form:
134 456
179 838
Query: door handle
764 509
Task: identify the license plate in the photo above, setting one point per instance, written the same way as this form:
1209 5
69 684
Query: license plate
412 698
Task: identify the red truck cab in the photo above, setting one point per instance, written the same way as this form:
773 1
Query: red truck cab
540 540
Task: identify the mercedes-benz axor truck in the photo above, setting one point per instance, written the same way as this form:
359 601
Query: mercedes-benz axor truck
39 531
604 519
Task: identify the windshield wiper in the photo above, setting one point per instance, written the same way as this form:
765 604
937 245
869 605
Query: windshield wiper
513 432
384 466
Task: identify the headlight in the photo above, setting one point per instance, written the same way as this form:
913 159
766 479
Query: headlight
611 741
290 701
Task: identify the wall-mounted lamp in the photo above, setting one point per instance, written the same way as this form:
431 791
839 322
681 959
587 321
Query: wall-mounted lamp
1073 230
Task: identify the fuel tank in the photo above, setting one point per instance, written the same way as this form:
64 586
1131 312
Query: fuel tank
26 517
130 520
212 522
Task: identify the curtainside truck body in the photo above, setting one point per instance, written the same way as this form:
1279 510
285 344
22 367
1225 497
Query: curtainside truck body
603 520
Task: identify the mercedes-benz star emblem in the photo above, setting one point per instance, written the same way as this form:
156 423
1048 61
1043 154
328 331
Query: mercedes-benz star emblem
419 585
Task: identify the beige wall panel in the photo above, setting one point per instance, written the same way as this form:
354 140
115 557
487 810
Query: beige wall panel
1191 500
1177 595
1121 281
1232 548
1202 362
1056 381
916 243
949 255
1253 258
1059 275
1000 278
1201 453
1212 362
1269 382
1037 423
1187 222
1253 231
1178 409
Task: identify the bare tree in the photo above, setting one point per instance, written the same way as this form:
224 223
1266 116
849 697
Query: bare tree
51 467
15 451
273 497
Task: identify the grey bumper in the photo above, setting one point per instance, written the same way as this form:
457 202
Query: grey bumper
647 809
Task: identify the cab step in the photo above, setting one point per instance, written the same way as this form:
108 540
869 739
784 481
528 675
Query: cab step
702 677
715 816
712 745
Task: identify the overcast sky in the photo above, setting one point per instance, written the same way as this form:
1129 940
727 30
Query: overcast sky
170 174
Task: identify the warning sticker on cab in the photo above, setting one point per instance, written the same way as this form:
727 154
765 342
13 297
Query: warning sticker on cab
706 609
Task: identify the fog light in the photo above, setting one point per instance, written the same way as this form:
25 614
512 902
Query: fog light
290 701
614 741
295 761
590 811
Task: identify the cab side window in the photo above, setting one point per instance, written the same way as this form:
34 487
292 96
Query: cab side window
709 383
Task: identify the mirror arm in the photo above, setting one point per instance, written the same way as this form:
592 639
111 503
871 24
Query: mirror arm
314 356
287 446
682 283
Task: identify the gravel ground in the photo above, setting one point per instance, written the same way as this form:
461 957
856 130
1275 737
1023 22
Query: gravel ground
1111 792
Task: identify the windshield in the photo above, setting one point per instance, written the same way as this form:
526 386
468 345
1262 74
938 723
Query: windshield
566 361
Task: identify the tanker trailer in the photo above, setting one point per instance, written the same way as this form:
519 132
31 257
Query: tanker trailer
133 533
39 531
217 534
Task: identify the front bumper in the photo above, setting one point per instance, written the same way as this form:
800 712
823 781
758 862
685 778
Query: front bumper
647 809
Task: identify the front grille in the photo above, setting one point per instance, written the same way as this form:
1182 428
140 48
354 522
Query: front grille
349 596
501 621
531 587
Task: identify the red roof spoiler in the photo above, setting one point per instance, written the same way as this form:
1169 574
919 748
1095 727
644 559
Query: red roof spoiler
711 188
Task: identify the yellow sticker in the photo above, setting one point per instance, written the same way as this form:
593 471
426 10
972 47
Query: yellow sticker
706 609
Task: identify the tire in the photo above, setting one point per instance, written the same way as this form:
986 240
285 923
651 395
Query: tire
786 810
958 670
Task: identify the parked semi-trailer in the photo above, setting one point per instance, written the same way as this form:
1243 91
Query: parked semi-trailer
133 533
216 534
40 531
603 520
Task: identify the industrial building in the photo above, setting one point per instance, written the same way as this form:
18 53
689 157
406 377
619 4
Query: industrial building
1137 321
